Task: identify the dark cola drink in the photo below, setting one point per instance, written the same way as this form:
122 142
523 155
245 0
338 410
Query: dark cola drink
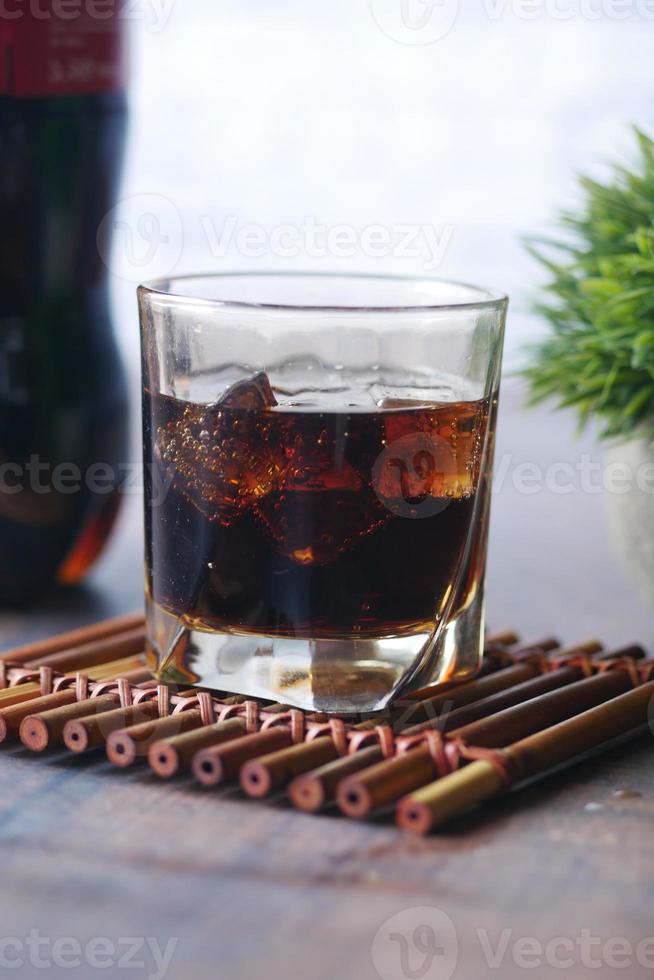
302 522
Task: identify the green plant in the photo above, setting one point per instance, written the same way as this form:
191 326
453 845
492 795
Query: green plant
599 357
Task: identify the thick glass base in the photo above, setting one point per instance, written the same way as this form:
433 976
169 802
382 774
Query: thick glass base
337 675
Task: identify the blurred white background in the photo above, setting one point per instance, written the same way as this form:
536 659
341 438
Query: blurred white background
465 123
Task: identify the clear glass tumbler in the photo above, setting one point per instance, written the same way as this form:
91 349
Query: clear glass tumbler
318 454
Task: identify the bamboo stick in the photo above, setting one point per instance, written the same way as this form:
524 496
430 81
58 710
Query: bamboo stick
541 684
125 746
504 638
267 773
524 719
425 809
456 697
170 756
97 652
91 731
273 771
73 638
12 716
45 729
314 790
220 763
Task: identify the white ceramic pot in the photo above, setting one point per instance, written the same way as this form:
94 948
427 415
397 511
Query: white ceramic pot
630 514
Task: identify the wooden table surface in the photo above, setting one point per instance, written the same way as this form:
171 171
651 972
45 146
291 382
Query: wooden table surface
557 880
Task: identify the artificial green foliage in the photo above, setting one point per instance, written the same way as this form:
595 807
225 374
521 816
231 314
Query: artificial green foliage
599 357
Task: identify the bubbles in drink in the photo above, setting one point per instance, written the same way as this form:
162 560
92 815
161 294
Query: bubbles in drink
222 462
434 453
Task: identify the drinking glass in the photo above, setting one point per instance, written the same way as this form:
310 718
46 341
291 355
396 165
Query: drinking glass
318 455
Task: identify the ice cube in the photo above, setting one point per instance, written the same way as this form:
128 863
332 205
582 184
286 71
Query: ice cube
223 455
253 393
316 528
322 505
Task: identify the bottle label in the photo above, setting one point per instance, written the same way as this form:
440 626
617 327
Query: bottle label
61 47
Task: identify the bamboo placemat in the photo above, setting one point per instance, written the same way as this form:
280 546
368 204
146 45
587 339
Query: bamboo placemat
431 755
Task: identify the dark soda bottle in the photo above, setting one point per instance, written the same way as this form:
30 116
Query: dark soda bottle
63 400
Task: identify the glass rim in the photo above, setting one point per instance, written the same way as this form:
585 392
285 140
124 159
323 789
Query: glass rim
165 287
